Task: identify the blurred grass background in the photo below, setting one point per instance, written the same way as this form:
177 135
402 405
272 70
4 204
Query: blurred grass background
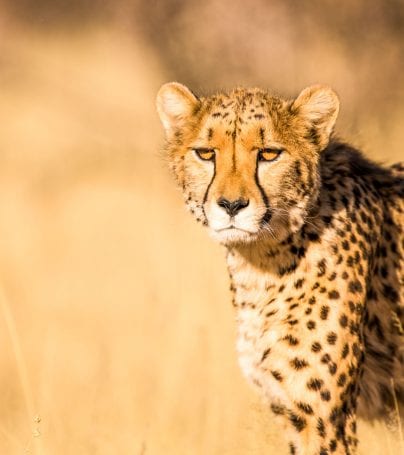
116 328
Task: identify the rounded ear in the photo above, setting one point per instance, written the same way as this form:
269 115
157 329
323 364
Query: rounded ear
318 106
175 103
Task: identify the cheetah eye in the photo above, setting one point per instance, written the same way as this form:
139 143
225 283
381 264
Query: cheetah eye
268 154
205 154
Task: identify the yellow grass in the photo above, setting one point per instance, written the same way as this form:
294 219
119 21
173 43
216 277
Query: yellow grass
116 327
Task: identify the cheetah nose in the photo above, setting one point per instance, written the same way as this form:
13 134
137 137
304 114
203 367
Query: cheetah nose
232 207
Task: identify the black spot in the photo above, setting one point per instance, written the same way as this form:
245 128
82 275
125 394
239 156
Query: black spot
312 300
308 311
332 368
341 233
354 326
324 311
313 236
311 325
331 338
293 341
298 422
321 267
364 217
265 354
262 134
292 448
297 168
301 252
390 293
287 269
383 271
316 347
341 380
333 445
355 286
345 201
321 427
352 370
299 283
325 395
332 277
325 358
334 414
299 364
294 249
345 245
277 375
315 384
356 350
305 407
333 294
323 451
376 325
271 313
340 431
343 320
277 409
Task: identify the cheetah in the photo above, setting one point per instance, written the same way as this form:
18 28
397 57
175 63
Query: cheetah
313 236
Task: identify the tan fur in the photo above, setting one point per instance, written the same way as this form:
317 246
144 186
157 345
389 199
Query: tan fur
314 252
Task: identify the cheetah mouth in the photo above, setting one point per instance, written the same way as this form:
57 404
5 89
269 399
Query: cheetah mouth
233 228
232 235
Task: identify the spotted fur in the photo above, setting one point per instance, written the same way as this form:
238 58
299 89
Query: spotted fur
314 253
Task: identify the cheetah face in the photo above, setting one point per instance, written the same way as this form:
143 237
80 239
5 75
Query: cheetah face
247 161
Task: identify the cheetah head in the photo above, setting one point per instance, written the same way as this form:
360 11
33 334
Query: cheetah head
247 162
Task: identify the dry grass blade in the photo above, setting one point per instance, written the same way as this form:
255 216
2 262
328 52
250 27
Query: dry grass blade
22 372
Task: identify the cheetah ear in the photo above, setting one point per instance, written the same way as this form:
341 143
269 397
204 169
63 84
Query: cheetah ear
175 103
318 106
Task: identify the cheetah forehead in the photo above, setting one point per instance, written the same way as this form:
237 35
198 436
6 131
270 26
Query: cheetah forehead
240 113
244 104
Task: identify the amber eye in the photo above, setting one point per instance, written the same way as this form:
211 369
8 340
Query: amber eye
205 154
268 154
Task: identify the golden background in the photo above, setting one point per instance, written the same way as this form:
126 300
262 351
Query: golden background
116 328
